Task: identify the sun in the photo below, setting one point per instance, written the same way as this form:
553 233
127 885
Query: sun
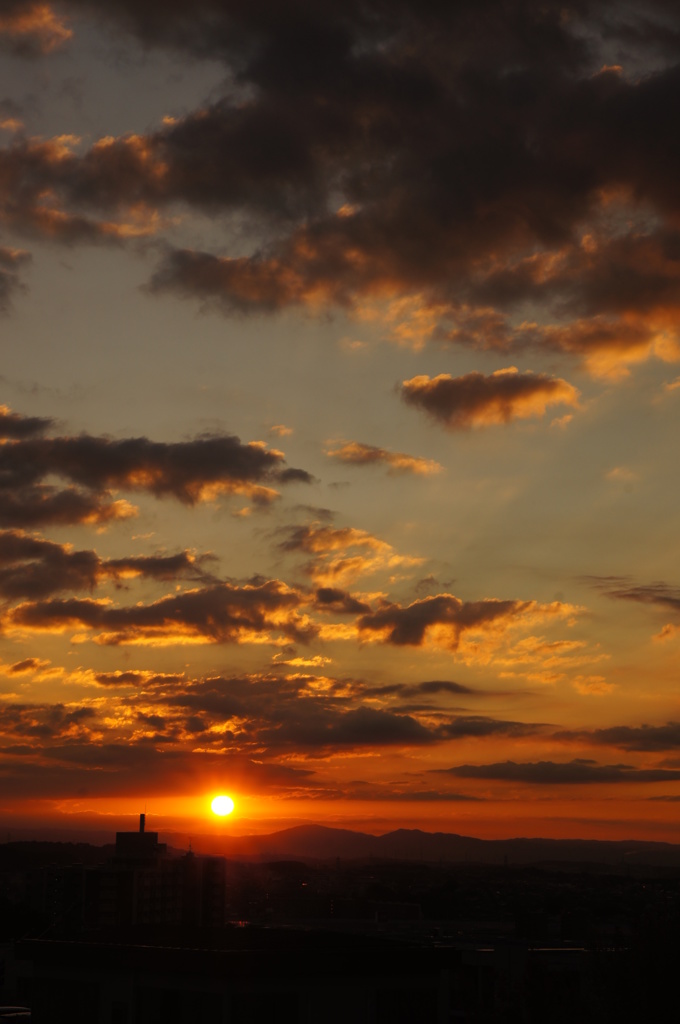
222 805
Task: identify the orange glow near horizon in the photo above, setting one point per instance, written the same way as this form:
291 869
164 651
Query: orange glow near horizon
558 816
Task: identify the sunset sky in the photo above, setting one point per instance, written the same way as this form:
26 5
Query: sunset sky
340 395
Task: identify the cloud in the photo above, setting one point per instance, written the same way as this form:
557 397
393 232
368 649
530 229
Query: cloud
444 619
623 588
476 400
41 177
549 661
465 726
319 713
32 29
120 769
341 554
138 678
315 539
27 665
360 727
593 686
621 474
202 469
368 791
667 632
221 613
574 772
331 599
273 713
12 425
433 686
628 737
45 722
190 471
10 262
358 454
155 725
402 691
659 593
44 505
36 568
490 173
250 285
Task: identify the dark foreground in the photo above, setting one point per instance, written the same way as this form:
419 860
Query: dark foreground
91 937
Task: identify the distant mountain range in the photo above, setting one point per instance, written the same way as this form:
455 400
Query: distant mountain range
320 843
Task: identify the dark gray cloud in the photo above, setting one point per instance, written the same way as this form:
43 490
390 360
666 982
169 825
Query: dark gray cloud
622 587
282 713
46 505
480 160
203 468
44 722
409 625
277 714
26 665
11 260
332 599
36 568
138 679
13 425
359 727
437 686
629 737
477 400
220 613
136 769
186 470
574 772
465 726
405 690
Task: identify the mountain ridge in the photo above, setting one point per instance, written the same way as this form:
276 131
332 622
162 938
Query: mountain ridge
323 842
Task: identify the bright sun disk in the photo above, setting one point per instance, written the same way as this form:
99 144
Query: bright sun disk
222 805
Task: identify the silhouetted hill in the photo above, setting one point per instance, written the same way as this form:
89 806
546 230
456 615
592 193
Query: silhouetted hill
320 843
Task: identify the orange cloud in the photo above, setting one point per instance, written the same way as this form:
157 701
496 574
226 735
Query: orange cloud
331 570
590 686
357 454
33 29
607 345
218 614
476 400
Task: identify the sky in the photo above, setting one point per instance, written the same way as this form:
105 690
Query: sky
340 386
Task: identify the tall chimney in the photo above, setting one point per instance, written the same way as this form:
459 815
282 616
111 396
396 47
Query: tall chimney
142 819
